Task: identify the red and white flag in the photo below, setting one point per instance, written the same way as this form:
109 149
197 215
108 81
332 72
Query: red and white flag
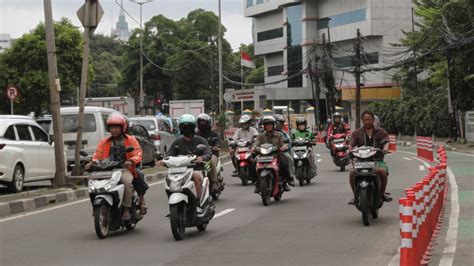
246 61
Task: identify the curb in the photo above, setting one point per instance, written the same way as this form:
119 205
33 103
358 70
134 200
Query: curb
34 203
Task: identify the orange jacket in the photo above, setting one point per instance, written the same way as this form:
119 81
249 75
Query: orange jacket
103 149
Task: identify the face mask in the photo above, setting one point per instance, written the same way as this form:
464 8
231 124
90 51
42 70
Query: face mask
187 131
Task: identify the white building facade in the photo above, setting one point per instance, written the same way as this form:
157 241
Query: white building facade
285 31
5 41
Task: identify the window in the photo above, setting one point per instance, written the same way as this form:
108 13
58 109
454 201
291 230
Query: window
260 2
70 123
348 61
23 132
249 3
269 34
295 65
138 130
342 19
148 124
274 70
294 26
164 126
39 134
10 133
370 58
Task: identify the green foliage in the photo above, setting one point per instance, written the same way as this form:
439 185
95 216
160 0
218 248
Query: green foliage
25 65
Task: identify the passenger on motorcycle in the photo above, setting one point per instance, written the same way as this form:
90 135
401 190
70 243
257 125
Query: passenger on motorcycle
302 131
187 144
280 124
338 127
113 148
244 132
370 135
270 135
204 130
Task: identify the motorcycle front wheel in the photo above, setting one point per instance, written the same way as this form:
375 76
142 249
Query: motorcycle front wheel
102 219
178 228
300 175
265 192
364 198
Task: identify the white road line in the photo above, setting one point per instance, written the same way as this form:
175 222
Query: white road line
224 212
395 261
425 163
451 237
422 167
406 158
317 154
55 207
319 160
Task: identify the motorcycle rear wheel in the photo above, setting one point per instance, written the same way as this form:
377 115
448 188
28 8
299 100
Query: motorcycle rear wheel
299 172
364 206
201 227
244 176
102 219
178 228
343 168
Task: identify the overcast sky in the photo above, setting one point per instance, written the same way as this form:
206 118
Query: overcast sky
19 16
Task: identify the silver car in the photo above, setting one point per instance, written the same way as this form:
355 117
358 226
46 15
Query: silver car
159 130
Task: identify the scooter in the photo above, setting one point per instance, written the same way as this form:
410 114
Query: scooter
339 150
301 156
368 185
269 179
243 155
182 195
106 195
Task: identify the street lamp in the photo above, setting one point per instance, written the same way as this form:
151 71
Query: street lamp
141 100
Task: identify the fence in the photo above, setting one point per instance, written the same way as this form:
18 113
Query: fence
421 214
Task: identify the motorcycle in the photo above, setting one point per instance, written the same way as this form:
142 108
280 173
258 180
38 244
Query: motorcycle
301 156
106 195
243 156
269 179
182 195
339 147
368 185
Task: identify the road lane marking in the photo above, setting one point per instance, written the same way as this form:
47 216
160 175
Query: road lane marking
395 261
66 204
406 158
451 237
422 168
319 160
224 212
425 163
317 154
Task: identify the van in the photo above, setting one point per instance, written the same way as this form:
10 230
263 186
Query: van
93 131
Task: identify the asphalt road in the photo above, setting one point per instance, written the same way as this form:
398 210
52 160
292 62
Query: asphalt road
312 225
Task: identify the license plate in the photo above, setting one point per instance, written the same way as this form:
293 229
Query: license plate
242 149
177 170
364 165
265 159
297 148
338 140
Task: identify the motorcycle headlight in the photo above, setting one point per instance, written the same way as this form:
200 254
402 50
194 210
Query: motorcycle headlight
108 186
304 156
175 186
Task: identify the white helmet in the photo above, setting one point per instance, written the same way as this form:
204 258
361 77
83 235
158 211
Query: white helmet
244 119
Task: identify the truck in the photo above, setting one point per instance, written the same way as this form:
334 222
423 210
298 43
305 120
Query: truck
123 104
181 107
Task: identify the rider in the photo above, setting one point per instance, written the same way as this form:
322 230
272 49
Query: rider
270 135
244 132
303 132
280 123
205 131
370 135
187 144
338 127
107 149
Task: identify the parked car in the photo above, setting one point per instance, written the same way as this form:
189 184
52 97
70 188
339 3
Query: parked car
149 151
45 122
26 152
93 131
159 130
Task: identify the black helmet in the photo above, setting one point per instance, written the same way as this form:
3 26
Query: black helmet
301 121
268 120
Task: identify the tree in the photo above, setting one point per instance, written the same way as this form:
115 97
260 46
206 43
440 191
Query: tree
25 65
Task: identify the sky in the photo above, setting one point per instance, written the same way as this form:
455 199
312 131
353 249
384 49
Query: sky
20 16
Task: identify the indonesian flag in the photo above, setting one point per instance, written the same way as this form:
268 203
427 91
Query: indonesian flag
246 61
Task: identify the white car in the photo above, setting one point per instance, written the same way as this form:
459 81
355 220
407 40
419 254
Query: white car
26 152
159 130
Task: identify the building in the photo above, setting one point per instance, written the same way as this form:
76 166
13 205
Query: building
5 41
121 30
285 32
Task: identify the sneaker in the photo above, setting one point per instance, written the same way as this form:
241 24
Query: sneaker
352 202
291 183
235 171
235 174
386 198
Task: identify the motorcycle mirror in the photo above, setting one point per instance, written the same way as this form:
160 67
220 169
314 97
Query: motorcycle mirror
200 149
83 153
230 139
129 149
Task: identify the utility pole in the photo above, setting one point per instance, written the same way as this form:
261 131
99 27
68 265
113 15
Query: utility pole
358 60
55 88
89 15
414 50
451 93
221 88
314 77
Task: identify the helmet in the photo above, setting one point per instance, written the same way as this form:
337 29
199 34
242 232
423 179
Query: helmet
337 114
187 124
244 119
301 121
268 120
204 117
279 118
117 119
